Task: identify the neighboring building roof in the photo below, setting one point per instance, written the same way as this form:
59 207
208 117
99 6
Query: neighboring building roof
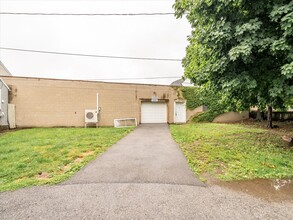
3 70
181 82
3 83
178 82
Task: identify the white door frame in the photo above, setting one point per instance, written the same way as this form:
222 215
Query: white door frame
181 102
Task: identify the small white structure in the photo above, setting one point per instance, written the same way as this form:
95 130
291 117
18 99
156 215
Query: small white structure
11 116
4 90
125 122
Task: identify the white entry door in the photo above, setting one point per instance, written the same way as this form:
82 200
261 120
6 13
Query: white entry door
180 112
153 112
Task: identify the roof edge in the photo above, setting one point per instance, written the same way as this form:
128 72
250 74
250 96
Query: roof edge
80 80
5 84
4 67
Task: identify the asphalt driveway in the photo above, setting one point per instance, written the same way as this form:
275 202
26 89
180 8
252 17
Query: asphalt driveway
143 176
147 155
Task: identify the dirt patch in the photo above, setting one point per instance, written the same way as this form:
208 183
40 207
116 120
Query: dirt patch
78 160
282 128
88 153
272 190
43 176
64 168
2 131
85 154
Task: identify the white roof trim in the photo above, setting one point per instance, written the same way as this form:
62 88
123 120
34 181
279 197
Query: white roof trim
5 69
5 84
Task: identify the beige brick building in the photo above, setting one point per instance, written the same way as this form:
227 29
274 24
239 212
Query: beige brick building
43 102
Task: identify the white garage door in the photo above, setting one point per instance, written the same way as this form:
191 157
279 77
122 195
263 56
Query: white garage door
153 112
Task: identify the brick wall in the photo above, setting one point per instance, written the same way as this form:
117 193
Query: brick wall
51 102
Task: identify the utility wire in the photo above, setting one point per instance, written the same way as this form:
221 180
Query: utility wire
91 55
87 14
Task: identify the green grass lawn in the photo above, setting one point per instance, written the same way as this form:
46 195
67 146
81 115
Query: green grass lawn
49 155
234 151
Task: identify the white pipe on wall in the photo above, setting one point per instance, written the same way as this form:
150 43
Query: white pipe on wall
98 101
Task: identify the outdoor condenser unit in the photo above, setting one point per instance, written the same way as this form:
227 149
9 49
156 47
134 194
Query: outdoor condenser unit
91 116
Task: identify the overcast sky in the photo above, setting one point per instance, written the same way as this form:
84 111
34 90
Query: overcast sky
136 36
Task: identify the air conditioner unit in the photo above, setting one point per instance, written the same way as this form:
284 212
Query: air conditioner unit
91 116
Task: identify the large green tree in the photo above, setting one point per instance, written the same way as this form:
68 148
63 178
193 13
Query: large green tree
243 48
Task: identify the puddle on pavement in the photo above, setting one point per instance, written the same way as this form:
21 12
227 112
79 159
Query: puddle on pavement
273 190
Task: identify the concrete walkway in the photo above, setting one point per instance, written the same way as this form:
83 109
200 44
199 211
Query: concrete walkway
147 155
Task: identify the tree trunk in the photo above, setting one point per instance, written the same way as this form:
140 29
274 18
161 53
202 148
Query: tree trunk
269 117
